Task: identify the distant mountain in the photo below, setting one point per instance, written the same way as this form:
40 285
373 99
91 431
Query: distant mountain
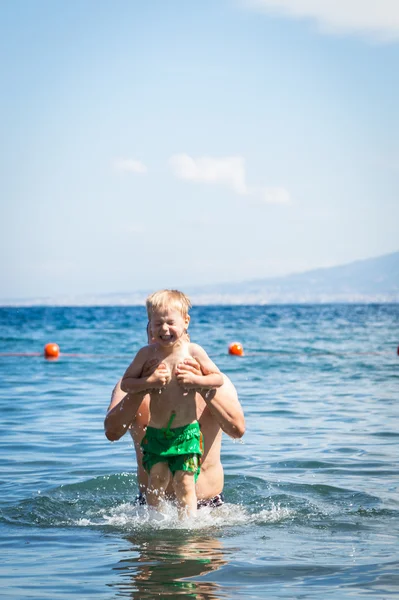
369 280
362 281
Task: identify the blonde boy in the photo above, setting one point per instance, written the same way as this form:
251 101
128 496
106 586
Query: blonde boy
172 446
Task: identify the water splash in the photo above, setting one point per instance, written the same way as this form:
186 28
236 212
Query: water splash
132 517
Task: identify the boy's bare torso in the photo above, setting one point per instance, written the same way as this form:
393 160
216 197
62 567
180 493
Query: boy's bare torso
172 399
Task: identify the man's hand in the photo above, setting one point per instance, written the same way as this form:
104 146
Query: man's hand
159 377
187 373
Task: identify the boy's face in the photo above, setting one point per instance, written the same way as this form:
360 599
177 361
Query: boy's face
167 326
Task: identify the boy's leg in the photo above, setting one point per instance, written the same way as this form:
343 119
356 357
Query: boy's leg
157 483
184 486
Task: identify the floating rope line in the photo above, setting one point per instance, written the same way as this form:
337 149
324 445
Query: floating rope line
52 352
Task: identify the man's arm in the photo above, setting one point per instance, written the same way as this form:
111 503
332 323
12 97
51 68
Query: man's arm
226 408
223 403
121 412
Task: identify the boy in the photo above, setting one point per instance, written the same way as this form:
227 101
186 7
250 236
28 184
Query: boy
171 451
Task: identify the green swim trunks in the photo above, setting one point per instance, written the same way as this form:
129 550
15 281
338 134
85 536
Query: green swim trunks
180 447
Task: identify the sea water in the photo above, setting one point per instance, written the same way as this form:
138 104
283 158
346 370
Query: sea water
312 505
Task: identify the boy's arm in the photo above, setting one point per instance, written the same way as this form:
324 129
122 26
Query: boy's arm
121 412
135 381
210 376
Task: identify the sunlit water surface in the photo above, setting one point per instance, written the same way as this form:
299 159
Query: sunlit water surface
312 506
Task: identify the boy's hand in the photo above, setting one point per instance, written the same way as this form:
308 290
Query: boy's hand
187 373
159 377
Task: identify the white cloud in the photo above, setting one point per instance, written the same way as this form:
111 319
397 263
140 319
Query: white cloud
129 165
228 171
378 18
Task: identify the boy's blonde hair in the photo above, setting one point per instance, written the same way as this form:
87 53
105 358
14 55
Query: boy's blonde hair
168 299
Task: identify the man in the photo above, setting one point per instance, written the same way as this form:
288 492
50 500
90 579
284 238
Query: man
217 410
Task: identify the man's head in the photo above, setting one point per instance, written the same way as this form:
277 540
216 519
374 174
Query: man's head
168 316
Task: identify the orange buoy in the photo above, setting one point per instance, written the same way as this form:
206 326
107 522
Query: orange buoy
51 351
236 349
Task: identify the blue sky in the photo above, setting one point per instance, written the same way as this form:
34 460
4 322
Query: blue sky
165 144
